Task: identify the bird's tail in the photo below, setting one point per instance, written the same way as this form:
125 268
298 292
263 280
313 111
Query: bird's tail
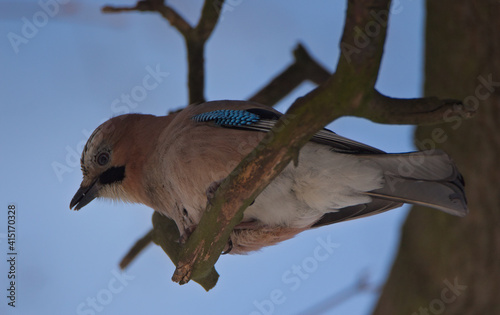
428 178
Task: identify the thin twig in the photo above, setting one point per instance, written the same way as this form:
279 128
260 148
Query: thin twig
195 43
209 18
139 246
175 19
195 37
360 286
303 68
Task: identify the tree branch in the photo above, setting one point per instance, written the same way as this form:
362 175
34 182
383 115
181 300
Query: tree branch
195 43
303 68
347 90
175 19
379 108
139 246
195 38
361 285
416 111
209 18
166 234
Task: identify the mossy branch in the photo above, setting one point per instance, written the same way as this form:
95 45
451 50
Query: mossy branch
167 236
350 91
350 88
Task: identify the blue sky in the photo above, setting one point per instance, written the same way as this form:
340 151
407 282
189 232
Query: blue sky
70 75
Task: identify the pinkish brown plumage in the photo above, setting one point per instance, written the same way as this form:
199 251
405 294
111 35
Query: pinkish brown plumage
169 162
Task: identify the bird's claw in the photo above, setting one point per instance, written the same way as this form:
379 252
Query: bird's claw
212 189
229 247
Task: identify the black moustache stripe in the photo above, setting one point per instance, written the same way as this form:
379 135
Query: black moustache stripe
112 175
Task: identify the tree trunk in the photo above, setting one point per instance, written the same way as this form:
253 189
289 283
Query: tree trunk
449 265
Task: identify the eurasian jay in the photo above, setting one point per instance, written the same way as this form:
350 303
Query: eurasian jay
170 162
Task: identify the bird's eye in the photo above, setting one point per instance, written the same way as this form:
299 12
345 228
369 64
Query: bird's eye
103 158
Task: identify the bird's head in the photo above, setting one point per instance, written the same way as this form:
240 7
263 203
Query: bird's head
109 161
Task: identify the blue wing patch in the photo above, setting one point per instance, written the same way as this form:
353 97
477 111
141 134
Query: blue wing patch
258 119
228 117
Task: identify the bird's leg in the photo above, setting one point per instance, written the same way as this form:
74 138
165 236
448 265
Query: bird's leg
186 233
248 225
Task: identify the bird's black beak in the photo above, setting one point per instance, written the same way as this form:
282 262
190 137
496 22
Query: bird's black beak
84 195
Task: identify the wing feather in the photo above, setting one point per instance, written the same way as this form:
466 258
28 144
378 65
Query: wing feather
267 120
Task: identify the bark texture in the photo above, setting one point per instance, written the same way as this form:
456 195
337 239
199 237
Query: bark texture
449 265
